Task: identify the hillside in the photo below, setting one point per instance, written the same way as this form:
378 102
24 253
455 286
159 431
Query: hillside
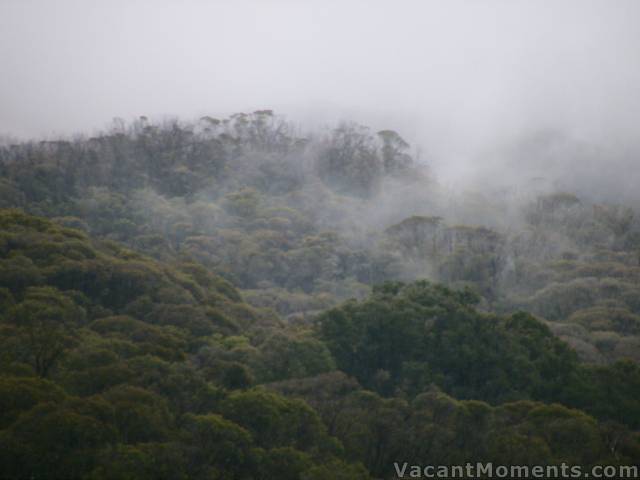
233 299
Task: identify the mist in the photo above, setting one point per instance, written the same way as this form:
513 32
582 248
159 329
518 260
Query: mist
460 80
318 239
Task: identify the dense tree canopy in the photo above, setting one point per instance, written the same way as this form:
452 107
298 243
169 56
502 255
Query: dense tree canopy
231 299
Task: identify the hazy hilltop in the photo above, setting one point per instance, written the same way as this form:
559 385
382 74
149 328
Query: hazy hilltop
264 268
342 235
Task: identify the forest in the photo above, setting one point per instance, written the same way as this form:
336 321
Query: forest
235 299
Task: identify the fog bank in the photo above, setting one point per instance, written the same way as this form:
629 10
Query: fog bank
466 82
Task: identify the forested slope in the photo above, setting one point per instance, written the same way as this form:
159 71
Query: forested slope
229 299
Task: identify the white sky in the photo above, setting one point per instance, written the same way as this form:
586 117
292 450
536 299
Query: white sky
451 74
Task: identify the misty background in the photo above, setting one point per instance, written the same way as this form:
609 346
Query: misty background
486 91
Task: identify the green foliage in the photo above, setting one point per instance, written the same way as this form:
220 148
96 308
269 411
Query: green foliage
20 394
350 161
146 461
121 331
139 415
243 203
220 444
57 440
403 338
275 421
435 427
130 301
609 392
44 325
282 356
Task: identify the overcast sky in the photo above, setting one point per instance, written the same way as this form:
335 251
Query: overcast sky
448 73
